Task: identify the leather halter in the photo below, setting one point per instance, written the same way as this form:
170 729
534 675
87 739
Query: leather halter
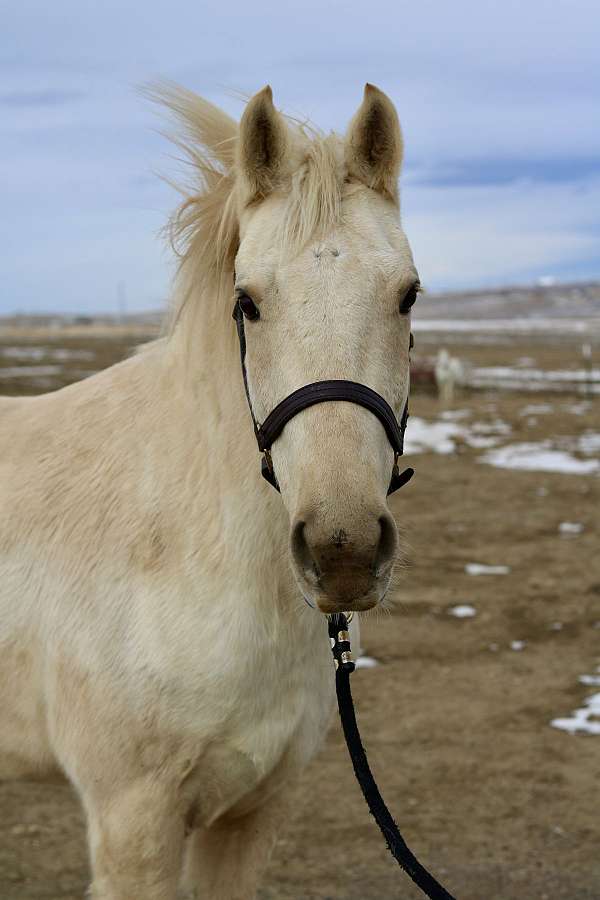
321 392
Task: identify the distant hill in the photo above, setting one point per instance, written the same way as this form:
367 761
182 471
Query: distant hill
564 301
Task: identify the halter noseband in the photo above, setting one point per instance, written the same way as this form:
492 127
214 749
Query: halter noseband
321 392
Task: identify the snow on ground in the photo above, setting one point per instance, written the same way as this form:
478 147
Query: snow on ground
449 431
539 457
481 569
442 436
508 326
537 409
366 662
586 719
451 415
570 527
30 353
516 378
518 645
34 354
589 443
462 611
579 409
422 436
29 371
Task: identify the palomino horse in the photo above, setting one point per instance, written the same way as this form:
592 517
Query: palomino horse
156 643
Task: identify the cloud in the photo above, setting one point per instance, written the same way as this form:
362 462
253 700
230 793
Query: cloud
495 234
505 171
498 104
46 97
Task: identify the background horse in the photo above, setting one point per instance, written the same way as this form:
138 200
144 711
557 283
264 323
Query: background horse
157 645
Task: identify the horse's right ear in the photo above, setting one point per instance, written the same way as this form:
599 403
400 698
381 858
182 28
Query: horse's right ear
263 144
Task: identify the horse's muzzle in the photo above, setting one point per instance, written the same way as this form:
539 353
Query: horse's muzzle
344 568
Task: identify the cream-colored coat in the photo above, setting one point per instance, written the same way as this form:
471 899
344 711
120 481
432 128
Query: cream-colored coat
155 645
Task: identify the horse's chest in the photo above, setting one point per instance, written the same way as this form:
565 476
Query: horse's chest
270 727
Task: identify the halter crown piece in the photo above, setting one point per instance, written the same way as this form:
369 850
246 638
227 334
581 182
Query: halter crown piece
321 392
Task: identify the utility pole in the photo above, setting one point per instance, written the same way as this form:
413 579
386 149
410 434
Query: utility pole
121 302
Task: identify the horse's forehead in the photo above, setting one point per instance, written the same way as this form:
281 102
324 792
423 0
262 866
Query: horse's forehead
366 242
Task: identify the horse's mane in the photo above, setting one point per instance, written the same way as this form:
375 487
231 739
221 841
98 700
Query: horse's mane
203 230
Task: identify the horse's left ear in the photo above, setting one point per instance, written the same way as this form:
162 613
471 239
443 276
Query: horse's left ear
374 146
263 145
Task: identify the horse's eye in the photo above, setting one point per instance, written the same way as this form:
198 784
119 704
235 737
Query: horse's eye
248 307
409 298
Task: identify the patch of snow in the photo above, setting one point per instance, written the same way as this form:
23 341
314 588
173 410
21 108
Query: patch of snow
539 457
593 680
579 409
495 427
29 371
441 436
481 443
462 611
422 436
489 373
452 415
586 719
30 353
556 626
589 443
535 379
63 354
536 409
366 662
508 326
518 645
570 527
481 569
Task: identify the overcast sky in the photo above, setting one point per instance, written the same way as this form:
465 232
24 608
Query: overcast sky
499 102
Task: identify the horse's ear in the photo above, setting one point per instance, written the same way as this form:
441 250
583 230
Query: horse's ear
263 144
374 146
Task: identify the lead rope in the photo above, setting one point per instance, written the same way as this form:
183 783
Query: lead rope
344 666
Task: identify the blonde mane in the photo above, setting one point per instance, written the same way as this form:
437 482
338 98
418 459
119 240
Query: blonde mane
204 229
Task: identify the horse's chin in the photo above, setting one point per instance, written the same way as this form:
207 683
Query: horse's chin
321 601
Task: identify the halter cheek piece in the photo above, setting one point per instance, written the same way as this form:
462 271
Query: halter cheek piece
320 392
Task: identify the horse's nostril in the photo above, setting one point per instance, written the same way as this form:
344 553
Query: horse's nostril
388 542
301 552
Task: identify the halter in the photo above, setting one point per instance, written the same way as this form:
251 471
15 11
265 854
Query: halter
321 392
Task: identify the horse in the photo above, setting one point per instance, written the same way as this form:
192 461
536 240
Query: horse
449 372
163 644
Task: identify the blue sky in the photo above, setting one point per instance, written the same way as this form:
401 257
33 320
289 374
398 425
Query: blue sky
499 102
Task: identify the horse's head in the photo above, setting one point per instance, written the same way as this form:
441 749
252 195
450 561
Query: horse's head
324 259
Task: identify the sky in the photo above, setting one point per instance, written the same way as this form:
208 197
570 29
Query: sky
499 104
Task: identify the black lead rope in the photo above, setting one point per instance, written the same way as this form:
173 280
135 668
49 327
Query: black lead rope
344 666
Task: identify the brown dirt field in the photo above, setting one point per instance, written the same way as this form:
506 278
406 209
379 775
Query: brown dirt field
499 804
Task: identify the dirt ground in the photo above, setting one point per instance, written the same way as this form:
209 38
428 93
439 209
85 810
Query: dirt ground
499 804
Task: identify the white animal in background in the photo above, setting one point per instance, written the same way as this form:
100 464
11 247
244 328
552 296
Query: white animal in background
449 372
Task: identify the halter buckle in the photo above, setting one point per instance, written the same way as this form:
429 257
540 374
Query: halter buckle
267 471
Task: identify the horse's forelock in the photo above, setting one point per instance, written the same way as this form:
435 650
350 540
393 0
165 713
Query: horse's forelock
204 229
